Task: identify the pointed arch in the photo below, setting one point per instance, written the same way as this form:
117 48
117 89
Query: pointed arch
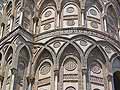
70 13
94 10
68 49
48 15
112 20
96 63
8 54
97 3
91 53
43 66
69 65
23 63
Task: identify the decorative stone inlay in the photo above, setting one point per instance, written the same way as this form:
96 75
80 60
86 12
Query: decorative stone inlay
108 49
70 23
57 44
70 9
45 68
95 68
70 64
94 24
95 79
93 12
48 13
70 77
83 43
47 26
70 88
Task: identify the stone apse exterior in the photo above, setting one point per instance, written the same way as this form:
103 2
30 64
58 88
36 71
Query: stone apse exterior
60 45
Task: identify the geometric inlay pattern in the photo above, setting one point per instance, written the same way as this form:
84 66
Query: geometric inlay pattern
45 68
70 64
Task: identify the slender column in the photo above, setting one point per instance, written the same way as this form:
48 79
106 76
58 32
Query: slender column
58 21
2 29
1 80
56 80
84 72
83 17
30 81
21 15
13 71
110 82
11 22
105 23
35 20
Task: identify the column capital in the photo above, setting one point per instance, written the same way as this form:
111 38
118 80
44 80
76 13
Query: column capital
35 18
1 78
84 70
13 70
104 15
30 79
82 10
56 72
12 16
109 77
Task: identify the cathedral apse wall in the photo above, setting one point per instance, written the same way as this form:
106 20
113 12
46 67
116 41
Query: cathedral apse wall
60 45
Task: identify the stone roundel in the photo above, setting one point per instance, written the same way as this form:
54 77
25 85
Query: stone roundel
95 68
48 13
70 88
93 12
47 26
70 64
45 68
57 44
70 9
83 43
94 24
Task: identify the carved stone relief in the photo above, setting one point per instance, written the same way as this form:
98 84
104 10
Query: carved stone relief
70 64
45 68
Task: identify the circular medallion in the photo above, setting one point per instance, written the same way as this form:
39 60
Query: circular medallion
70 9
45 68
94 24
48 13
93 12
70 64
95 68
70 23
47 26
70 88
83 43
56 44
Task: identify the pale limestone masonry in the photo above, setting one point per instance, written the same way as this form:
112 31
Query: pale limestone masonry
60 45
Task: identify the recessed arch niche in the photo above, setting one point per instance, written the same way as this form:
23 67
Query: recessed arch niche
116 73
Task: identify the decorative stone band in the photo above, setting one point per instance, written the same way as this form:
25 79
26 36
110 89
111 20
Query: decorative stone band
97 80
43 82
70 77
77 30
